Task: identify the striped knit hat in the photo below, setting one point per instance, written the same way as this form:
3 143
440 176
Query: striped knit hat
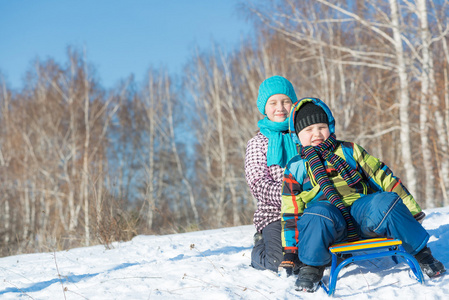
272 86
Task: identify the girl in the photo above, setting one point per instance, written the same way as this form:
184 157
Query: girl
266 156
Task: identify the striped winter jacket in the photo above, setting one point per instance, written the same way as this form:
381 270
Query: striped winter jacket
264 182
299 190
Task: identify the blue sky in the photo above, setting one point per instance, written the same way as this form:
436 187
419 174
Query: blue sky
121 37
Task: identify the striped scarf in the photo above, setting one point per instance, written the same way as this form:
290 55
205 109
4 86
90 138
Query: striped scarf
324 151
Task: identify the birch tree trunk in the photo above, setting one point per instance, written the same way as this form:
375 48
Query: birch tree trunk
424 104
5 148
430 92
150 110
84 188
442 29
446 95
168 97
404 100
234 202
7 222
72 172
26 218
218 113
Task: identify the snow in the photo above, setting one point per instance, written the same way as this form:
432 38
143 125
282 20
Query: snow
210 264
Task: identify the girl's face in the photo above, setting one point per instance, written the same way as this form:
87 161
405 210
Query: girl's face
314 134
278 107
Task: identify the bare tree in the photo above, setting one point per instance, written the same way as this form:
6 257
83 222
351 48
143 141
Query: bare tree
424 112
168 96
376 38
58 126
404 99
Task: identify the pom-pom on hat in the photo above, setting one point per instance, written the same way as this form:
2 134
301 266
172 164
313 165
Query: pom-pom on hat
309 114
272 86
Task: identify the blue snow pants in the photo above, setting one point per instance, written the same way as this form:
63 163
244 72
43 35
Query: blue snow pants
376 215
267 252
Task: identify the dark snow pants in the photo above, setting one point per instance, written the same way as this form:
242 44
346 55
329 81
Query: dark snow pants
267 252
376 215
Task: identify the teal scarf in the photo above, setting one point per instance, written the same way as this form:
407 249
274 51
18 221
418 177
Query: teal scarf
280 146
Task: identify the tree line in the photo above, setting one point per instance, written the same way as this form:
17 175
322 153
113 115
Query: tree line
83 165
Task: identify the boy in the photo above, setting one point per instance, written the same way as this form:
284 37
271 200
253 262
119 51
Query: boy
334 191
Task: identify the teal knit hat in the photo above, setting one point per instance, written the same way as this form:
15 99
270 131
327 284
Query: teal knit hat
272 86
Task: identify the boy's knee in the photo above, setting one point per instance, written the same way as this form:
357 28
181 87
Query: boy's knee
321 225
323 209
379 209
388 200
322 215
377 205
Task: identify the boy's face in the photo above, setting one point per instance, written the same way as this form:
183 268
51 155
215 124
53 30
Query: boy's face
314 134
278 107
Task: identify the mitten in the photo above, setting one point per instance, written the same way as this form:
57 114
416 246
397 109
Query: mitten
291 263
420 217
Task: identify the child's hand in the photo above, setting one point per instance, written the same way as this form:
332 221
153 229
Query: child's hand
291 264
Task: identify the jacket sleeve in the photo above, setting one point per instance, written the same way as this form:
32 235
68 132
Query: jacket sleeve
265 188
291 210
381 178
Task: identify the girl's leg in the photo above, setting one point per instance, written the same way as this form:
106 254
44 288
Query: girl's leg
267 252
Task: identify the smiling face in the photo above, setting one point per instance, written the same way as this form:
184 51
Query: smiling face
278 107
314 134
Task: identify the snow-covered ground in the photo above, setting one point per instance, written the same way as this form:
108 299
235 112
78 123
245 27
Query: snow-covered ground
211 264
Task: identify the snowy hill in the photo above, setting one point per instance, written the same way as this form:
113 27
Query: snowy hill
212 264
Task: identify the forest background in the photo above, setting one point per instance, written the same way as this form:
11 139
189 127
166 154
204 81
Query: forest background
83 165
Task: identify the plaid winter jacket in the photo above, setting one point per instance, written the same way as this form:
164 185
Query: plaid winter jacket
264 182
300 189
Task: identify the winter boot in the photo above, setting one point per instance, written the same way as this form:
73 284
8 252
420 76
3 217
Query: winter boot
309 278
429 265
257 237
